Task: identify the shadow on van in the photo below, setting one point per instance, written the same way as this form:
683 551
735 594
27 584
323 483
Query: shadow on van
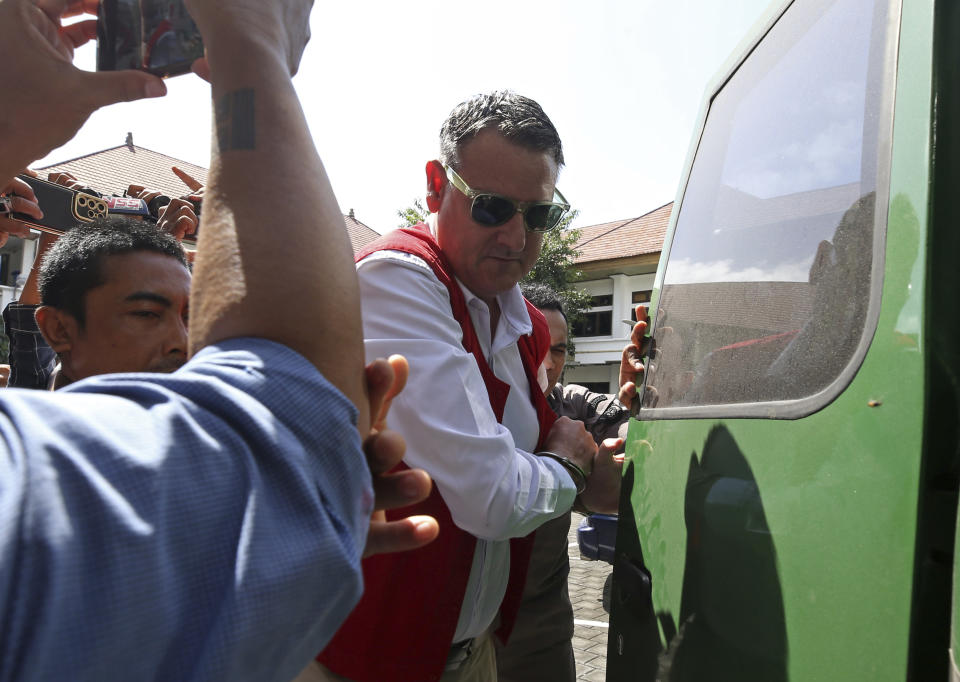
731 624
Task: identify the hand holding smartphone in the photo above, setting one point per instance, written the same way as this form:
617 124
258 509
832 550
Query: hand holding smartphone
62 207
156 36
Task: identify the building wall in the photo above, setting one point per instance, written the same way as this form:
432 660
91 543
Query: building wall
597 362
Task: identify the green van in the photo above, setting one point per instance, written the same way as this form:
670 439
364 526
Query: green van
790 488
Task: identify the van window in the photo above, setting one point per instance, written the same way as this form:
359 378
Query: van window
768 281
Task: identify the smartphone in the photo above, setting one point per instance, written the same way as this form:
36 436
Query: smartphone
156 36
62 207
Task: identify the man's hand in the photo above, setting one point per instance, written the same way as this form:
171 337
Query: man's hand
178 218
194 185
282 26
21 199
568 438
45 97
65 179
141 192
631 361
602 495
384 449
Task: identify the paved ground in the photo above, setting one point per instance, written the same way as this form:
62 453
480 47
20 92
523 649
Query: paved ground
590 620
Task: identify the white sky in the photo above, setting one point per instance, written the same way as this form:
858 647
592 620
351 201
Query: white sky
621 79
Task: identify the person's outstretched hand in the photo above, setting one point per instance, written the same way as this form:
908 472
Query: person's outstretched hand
384 450
19 197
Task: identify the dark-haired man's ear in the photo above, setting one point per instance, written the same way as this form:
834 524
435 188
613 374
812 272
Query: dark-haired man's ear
58 328
436 181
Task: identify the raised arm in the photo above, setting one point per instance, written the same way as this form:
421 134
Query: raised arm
286 273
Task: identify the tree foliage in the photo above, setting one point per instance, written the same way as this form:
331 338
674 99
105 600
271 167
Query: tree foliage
413 214
556 268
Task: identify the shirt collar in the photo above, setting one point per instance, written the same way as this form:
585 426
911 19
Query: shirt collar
513 309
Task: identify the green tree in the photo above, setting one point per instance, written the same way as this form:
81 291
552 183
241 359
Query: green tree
411 215
556 268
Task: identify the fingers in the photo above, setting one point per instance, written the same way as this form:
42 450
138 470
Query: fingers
192 183
65 179
22 199
68 9
400 489
379 376
385 379
109 87
202 68
9 226
23 205
401 369
638 334
631 364
384 451
21 189
177 217
141 192
80 33
609 447
568 438
628 391
400 536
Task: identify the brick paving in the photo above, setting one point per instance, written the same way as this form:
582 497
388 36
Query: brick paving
586 594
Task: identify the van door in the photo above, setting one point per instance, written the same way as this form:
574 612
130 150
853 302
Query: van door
769 518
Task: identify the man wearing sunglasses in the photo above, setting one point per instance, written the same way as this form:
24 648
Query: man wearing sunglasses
473 413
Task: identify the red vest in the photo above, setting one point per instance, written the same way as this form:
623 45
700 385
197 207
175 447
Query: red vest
403 626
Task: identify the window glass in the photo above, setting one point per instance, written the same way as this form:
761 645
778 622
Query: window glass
598 301
767 284
598 323
637 298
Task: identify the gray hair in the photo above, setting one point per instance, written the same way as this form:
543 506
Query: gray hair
518 118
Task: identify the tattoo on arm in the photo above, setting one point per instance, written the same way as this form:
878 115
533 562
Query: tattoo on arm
235 122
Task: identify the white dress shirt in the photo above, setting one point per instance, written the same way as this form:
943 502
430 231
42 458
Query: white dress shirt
486 473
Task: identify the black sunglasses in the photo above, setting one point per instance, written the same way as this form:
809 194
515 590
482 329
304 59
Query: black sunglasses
493 209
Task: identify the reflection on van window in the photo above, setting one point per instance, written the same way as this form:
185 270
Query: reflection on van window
768 278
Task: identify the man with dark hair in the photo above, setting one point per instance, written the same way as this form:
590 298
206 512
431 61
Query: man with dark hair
34 364
473 414
115 298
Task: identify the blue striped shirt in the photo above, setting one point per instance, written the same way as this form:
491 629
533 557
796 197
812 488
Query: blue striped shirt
201 525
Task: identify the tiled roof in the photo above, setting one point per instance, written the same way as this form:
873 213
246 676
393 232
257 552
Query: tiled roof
111 171
360 234
624 238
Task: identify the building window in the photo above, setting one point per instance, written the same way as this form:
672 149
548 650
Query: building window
598 321
596 386
637 298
